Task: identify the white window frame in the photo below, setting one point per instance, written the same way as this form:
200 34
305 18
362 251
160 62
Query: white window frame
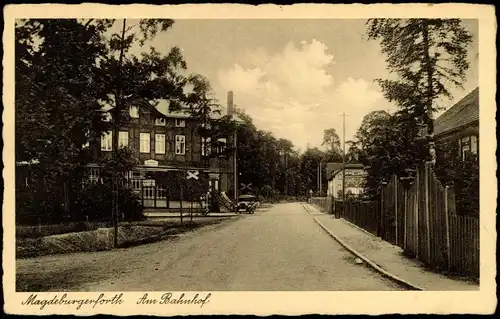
206 148
122 139
160 143
94 175
464 149
180 145
160 121
134 112
145 142
180 122
107 141
474 145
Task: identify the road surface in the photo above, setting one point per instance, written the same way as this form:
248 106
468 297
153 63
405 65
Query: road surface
277 249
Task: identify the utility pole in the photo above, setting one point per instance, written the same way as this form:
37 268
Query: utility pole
286 173
343 161
320 181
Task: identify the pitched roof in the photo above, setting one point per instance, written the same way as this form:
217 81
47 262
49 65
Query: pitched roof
333 168
162 109
462 113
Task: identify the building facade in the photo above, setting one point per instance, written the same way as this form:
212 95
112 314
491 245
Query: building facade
355 176
175 163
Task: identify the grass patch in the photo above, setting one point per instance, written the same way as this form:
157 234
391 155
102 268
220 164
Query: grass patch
129 234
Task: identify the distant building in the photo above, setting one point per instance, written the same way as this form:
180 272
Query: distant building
355 176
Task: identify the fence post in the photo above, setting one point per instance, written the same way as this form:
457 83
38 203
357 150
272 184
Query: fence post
405 214
155 190
395 181
427 213
142 193
447 227
416 212
381 213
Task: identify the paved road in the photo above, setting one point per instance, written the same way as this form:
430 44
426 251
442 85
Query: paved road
280 248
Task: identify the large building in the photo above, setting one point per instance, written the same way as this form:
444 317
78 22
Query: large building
175 162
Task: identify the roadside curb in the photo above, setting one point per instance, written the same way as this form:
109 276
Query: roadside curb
359 228
373 265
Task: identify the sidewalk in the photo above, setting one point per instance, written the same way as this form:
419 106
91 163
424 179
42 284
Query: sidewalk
388 256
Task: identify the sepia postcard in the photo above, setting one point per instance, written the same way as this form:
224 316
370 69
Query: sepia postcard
235 159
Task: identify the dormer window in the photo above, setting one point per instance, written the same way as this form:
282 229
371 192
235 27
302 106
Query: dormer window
160 121
180 123
134 112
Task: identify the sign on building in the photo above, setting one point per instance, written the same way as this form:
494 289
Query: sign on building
151 163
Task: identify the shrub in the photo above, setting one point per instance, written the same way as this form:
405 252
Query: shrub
95 202
466 186
462 176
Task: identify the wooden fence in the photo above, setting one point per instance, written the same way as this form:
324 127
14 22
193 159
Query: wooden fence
364 214
422 220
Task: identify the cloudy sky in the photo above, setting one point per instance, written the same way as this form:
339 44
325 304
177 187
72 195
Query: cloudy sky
294 77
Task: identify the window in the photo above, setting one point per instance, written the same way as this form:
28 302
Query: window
180 145
123 139
94 175
160 121
134 112
221 146
468 145
160 143
473 144
180 123
205 146
107 141
145 143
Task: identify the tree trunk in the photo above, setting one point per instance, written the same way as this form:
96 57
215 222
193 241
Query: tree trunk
116 127
429 71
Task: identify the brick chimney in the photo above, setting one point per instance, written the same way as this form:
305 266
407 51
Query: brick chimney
230 108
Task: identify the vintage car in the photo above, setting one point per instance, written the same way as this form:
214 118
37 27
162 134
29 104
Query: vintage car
247 203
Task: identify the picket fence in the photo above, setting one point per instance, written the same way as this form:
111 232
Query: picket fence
420 218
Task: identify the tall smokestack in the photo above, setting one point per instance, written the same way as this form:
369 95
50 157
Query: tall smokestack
230 107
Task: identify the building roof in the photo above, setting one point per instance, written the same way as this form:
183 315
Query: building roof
162 109
333 168
464 112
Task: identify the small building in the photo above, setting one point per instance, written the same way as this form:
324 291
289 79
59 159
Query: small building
459 125
355 176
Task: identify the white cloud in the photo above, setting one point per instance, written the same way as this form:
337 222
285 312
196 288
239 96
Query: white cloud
292 92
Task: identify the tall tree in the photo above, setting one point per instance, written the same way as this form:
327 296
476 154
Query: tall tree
428 56
56 103
332 142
